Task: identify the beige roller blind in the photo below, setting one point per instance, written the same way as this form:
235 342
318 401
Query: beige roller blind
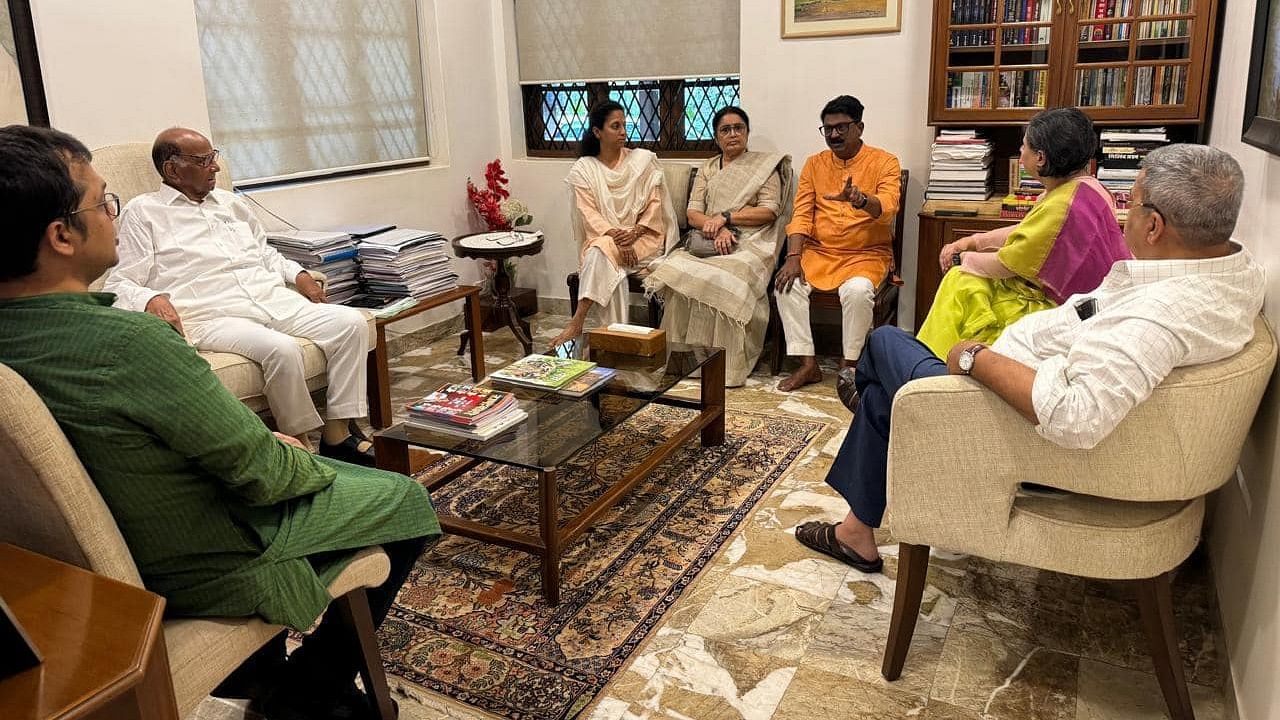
299 88
593 40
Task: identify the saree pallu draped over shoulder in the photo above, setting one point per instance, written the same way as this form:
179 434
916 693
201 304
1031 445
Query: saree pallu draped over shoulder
722 301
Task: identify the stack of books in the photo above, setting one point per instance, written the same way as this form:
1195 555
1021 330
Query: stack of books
468 411
405 262
959 167
1123 150
332 253
544 372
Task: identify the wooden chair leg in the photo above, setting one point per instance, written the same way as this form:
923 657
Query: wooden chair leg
913 568
572 282
1155 601
354 609
775 338
655 312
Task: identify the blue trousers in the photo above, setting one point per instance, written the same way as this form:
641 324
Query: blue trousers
891 359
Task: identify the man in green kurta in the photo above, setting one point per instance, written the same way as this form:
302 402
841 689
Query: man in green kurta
223 517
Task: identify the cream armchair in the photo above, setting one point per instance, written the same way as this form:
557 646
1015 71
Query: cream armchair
64 517
128 170
1136 500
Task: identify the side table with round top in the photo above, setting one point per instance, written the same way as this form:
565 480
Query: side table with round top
499 247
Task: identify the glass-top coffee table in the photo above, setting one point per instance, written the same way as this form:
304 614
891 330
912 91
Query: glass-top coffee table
557 428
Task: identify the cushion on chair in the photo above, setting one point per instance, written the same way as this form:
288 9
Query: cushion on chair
676 176
51 506
204 651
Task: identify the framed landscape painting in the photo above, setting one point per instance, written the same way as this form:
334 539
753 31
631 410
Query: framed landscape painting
1262 98
818 18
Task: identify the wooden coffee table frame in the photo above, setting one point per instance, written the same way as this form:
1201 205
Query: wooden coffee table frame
379 375
554 535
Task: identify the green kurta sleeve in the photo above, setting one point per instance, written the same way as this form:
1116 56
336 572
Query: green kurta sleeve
179 399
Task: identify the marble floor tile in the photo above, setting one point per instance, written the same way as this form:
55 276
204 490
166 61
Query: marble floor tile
816 694
876 590
688 676
1111 631
1023 611
1005 679
851 641
771 619
778 558
1107 692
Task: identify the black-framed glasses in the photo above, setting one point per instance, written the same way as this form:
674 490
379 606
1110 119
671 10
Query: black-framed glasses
203 161
110 203
837 129
736 129
1149 206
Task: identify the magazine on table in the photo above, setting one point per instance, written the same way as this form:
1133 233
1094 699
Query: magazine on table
542 372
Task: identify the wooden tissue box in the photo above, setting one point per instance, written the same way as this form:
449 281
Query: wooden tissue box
650 345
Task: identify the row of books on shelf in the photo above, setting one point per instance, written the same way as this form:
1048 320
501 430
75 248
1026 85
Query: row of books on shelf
1011 38
1164 7
1103 86
975 12
1164 29
480 412
968 90
1027 10
1100 33
1023 88
1160 85
1112 8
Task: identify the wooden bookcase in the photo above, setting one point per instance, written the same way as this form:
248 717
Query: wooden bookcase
1123 61
996 63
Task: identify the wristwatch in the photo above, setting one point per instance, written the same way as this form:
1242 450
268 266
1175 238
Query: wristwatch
967 356
728 217
865 199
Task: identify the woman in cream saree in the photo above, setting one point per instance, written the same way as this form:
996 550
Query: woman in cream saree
743 199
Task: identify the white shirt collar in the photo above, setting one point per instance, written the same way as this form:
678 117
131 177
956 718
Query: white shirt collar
169 195
1140 272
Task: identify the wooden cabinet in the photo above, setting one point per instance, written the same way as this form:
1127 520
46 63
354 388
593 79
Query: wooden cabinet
934 233
1122 61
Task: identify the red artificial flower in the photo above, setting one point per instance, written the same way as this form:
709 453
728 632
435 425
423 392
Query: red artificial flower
496 179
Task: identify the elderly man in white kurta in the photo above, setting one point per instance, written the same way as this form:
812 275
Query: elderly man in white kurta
197 257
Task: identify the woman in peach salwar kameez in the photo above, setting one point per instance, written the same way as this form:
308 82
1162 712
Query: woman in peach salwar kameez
622 217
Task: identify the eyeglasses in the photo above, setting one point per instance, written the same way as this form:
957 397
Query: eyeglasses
203 161
738 129
837 129
110 203
1149 206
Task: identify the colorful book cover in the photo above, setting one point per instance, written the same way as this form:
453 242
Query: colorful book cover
461 403
587 382
543 371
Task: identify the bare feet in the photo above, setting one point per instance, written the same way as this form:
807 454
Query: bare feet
807 374
571 332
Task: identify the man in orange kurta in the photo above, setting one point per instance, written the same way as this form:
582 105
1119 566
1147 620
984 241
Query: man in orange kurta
838 237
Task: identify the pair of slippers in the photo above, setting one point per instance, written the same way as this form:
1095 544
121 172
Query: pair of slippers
821 536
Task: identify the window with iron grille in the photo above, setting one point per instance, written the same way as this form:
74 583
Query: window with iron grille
670 117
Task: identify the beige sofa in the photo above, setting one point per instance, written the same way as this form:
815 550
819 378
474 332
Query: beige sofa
1133 505
64 517
128 170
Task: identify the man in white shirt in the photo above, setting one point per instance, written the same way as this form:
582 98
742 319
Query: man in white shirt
1190 296
197 257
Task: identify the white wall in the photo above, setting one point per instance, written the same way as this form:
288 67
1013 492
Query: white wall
785 83
121 71
1245 532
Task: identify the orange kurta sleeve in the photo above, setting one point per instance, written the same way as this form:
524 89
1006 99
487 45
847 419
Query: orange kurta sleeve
888 188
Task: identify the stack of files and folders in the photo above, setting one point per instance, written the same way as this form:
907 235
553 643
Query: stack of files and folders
405 262
467 411
332 253
1123 150
959 167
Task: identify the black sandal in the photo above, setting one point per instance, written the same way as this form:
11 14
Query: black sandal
348 451
821 536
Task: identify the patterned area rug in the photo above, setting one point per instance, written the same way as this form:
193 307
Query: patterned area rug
471 623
